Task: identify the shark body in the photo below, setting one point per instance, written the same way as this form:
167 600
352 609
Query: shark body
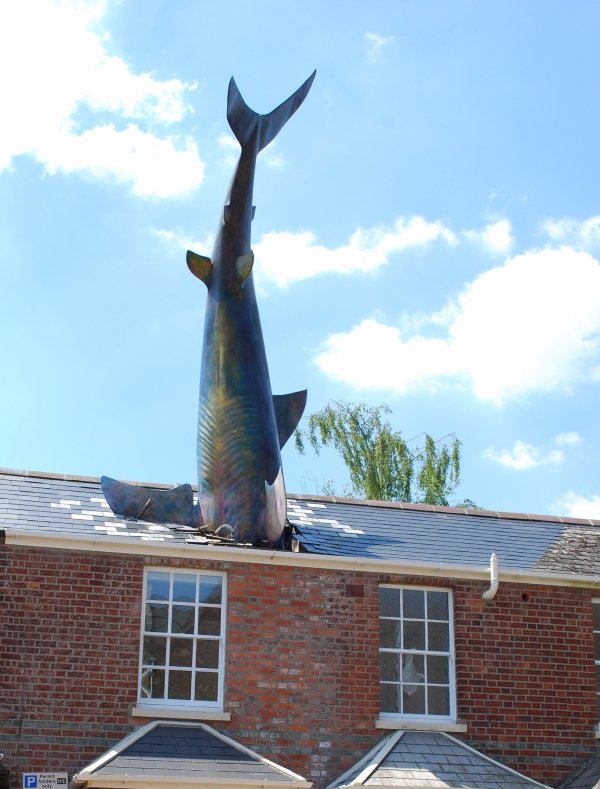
241 425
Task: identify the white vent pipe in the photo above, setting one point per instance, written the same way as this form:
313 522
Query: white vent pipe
490 593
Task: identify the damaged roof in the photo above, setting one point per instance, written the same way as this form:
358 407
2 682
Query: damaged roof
69 506
430 760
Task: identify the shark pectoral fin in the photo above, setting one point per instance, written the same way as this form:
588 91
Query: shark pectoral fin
288 412
243 267
275 508
200 266
149 504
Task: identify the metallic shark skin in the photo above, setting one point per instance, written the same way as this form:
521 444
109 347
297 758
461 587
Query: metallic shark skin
241 425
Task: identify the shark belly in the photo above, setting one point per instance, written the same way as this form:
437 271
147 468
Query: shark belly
239 462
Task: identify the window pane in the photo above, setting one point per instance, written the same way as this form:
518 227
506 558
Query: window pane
183 619
153 683
413 697
438 637
207 686
437 605
596 615
597 645
437 669
209 621
389 633
389 602
207 653
438 700
157 586
411 638
390 698
389 667
413 604
157 618
210 589
181 652
184 588
180 685
155 651
413 669
414 635
182 644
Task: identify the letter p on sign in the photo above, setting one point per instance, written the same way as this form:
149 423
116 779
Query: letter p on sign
30 781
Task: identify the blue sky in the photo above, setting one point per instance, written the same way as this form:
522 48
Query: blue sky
427 231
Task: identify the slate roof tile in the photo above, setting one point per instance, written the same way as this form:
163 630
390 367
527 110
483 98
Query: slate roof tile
414 759
52 503
184 751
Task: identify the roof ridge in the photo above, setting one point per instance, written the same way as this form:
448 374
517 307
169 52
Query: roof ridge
79 478
439 508
402 505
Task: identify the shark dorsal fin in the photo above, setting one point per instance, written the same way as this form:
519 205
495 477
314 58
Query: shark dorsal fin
200 266
243 266
288 412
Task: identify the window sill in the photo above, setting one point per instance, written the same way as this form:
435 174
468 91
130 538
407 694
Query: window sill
180 713
420 725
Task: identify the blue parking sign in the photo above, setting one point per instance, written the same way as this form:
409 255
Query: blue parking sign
45 780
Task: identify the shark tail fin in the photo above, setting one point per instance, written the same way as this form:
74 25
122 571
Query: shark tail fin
243 120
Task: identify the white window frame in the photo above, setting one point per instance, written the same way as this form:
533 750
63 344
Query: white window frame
182 704
450 654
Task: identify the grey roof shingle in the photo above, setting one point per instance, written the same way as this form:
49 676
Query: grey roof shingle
187 751
389 531
430 760
587 776
446 535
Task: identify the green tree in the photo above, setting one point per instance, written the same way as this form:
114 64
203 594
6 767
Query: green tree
380 463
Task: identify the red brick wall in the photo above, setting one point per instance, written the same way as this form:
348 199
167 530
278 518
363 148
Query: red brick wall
69 644
526 677
302 664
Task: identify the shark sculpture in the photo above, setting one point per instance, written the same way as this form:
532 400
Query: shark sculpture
241 425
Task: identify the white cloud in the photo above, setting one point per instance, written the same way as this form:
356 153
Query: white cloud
581 234
179 240
566 439
231 147
375 356
288 257
56 62
274 160
523 456
532 324
228 142
495 237
231 150
376 43
576 506
154 167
